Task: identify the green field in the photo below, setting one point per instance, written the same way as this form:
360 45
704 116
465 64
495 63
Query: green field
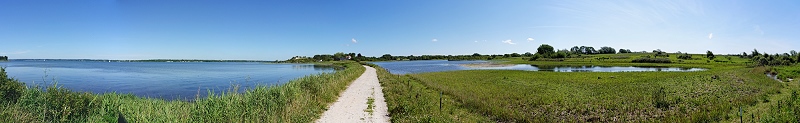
527 96
300 100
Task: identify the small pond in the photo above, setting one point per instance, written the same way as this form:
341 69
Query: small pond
406 67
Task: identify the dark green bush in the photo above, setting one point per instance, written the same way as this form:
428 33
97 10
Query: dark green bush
685 56
10 89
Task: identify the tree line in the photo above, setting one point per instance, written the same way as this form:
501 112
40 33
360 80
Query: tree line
3 58
776 59
547 51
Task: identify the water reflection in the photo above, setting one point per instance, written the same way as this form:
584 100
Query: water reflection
591 68
404 67
315 67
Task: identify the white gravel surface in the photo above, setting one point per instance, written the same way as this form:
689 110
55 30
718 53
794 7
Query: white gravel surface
352 103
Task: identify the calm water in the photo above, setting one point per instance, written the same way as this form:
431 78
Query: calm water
405 67
166 80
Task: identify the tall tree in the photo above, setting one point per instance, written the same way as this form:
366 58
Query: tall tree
590 50
387 57
476 54
607 50
575 50
755 53
545 49
527 54
709 54
338 55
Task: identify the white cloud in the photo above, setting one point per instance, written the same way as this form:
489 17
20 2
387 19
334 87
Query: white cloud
710 35
758 30
435 40
530 39
509 42
354 40
476 41
15 53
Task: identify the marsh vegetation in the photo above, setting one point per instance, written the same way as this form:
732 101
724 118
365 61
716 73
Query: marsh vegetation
731 83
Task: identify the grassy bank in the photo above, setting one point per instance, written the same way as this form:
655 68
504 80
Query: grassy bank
300 100
411 102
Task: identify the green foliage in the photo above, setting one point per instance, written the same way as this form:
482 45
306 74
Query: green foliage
535 57
3 58
545 49
607 50
64 105
527 54
625 51
651 60
387 57
685 56
10 89
710 55
525 96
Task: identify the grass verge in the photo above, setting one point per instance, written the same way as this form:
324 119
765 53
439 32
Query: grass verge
411 102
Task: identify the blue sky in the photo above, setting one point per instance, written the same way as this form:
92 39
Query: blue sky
278 30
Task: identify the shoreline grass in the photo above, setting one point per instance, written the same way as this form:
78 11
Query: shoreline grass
300 100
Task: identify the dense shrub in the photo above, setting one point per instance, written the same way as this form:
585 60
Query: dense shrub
685 56
651 60
535 57
10 89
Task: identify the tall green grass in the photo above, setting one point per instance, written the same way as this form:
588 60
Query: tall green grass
300 100
411 102
525 96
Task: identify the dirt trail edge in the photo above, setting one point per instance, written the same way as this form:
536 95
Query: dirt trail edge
352 105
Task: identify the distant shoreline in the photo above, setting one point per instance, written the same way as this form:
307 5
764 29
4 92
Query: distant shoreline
487 64
150 60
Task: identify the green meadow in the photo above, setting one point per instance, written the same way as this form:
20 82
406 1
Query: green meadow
732 89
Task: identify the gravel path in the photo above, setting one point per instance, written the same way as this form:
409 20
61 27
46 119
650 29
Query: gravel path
352 107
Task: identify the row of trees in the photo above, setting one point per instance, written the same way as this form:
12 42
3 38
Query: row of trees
3 58
547 51
772 60
591 50
474 56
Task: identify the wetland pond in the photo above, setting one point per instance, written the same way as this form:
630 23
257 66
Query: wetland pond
165 80
410 67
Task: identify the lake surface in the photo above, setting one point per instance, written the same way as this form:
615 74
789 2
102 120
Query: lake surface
166 80
406 67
